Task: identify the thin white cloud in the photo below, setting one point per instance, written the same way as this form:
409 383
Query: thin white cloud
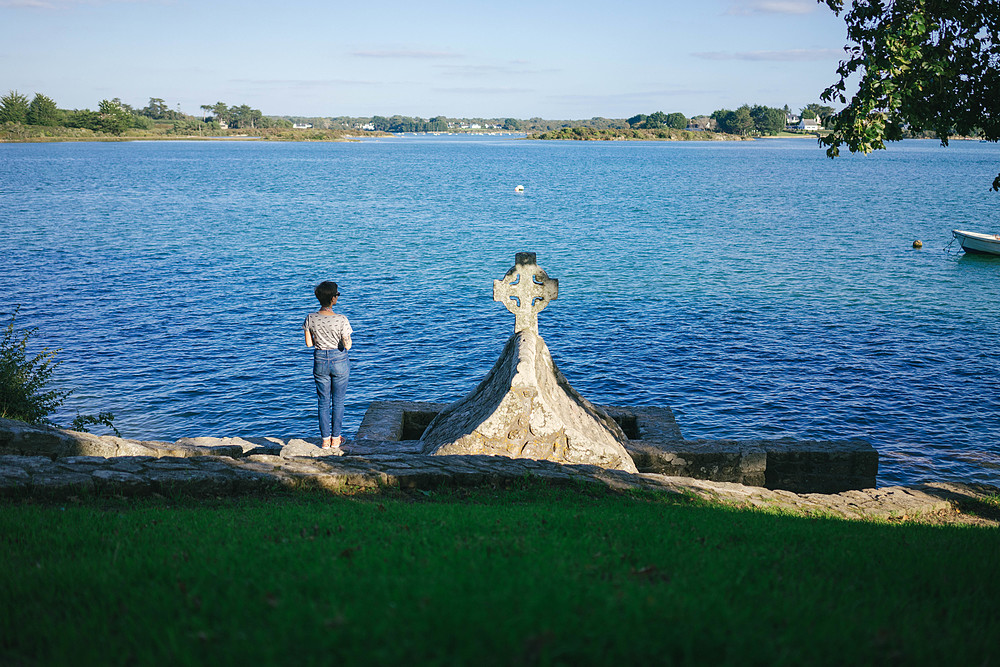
518 67
305 83
407 54
749 7
790 55
636 97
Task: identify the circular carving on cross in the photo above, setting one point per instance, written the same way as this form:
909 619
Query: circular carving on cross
525 290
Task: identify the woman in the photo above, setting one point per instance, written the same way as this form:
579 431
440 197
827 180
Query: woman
329 334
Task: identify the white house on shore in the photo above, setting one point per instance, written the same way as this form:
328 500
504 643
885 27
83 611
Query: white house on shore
809 124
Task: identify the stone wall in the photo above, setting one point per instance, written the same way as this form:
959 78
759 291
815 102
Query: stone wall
655 445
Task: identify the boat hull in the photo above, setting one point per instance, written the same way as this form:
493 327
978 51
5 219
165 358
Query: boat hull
974 242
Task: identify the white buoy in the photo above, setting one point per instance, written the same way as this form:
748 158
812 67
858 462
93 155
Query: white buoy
519 188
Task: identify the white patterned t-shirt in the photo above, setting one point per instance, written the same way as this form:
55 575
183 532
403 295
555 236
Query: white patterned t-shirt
327 331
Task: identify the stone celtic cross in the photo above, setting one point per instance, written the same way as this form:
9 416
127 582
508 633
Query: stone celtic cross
525 290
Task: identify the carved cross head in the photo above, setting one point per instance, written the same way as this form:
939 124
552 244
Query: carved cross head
525 290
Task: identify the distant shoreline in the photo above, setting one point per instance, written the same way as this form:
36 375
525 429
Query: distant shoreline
63 135
662 134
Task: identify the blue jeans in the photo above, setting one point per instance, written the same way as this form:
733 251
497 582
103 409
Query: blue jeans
331 369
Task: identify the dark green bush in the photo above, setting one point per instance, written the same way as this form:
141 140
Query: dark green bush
23 380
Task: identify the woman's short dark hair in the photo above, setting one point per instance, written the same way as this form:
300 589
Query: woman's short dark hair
325 292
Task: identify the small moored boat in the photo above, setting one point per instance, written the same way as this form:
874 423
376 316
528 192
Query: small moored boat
986 244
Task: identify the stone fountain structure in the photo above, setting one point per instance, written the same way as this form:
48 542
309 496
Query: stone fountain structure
526 408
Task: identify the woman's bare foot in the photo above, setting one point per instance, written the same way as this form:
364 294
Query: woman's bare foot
328 443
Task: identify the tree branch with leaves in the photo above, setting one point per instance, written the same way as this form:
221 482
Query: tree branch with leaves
920 65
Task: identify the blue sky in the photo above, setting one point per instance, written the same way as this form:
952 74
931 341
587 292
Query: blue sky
555 60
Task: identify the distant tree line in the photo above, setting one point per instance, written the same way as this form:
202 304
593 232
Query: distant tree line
115 117
242 117
751 120
658 120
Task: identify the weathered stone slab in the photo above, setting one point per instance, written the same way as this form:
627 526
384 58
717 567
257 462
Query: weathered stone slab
397 421
24 462
14 481
187 481
260 445
298 447
716 460
204 446
119 482
61 483
20 438
654 424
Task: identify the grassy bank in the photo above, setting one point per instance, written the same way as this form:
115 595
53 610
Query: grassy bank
13 133
533 575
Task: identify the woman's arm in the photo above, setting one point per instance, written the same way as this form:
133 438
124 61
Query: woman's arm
346 342
309 338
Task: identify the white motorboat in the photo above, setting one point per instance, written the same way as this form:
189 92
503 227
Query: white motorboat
987 244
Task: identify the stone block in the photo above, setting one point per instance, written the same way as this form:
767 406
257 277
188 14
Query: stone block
118 482
190 481
397 421
261 445
83 461
132 464
205 446
14 481
813 466
61 483
298 447
655 424
30 463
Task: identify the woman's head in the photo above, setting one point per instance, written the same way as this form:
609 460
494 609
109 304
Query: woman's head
326 292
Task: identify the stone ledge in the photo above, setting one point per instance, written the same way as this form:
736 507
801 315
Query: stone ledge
43 477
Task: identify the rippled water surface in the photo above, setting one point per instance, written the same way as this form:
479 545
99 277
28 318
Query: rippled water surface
758 288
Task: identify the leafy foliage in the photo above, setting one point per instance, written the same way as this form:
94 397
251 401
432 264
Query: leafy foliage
13 108
657 120
735 122
922 65
43 111
746 121
407 124
767 120
157 109
23 380
80 422
114 117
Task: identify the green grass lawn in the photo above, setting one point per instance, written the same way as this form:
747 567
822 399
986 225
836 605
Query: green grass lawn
530 575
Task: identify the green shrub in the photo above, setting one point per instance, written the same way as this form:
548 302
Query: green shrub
23 380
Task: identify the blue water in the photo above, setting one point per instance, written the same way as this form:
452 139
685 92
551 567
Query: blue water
758 288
